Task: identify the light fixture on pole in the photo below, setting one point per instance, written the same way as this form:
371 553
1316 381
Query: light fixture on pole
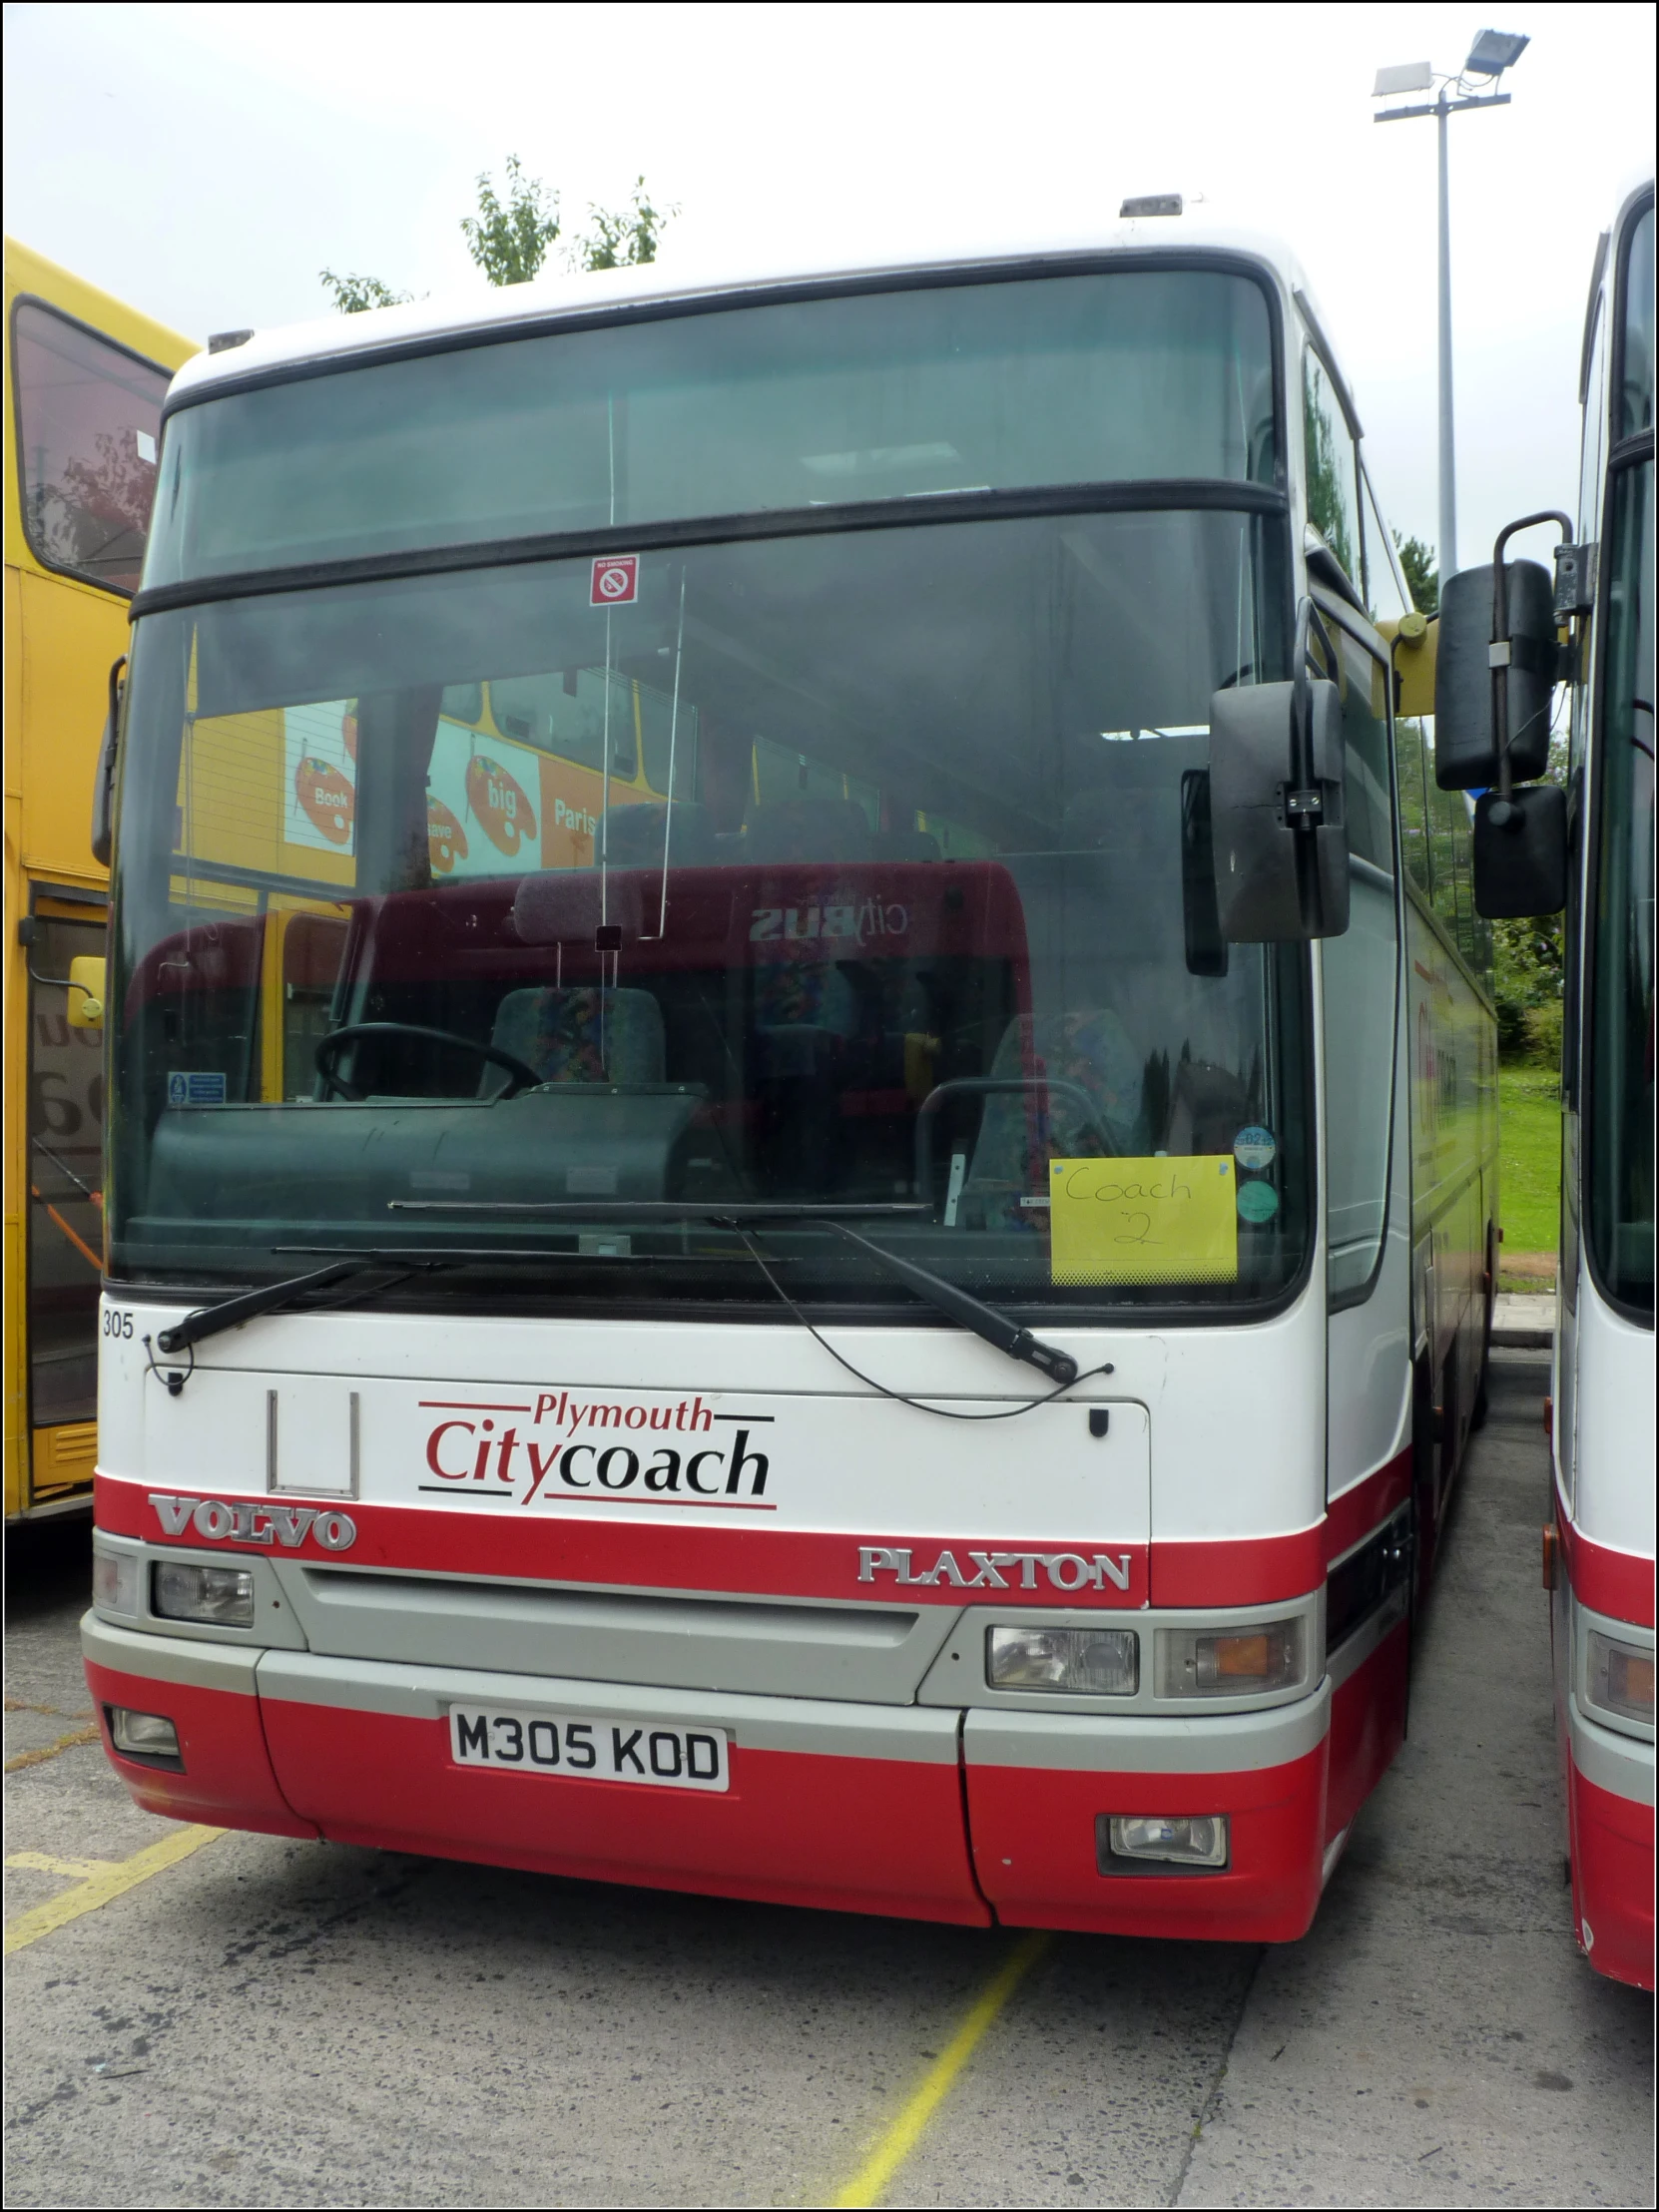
1491 54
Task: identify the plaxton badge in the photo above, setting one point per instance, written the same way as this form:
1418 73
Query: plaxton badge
1066 1570
246 1520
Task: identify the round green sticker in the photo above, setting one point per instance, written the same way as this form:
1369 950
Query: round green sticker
1258 1201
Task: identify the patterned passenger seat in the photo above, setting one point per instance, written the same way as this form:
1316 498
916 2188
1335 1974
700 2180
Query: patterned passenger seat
581 1034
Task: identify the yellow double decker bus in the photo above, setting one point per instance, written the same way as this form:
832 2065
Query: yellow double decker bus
85 377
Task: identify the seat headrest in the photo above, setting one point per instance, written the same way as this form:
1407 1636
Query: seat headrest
905 845
635 835
562 906
807 830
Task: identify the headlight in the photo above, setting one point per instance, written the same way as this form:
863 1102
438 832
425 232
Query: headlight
1089 1662
223 1596
1230 1662
1621 1677
115 1581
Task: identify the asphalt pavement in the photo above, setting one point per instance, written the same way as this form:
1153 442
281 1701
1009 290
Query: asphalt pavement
260 2023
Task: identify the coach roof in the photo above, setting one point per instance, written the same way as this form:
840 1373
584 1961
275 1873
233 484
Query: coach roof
580 296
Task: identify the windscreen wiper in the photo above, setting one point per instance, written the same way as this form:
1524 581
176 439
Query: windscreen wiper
957 1305
230 1313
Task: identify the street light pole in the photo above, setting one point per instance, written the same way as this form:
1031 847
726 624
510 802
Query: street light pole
1491 54
1447 555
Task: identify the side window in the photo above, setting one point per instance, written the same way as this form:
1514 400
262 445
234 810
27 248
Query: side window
1385 594
1413 782
1635 394
89 420
1388 601
1359 982
1362 684
1332 471
1595 436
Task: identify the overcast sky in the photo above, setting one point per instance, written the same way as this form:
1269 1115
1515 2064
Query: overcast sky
204 163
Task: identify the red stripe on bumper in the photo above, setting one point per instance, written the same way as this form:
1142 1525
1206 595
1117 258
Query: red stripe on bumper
1035 1851
857 1835
1612 1879
226 1780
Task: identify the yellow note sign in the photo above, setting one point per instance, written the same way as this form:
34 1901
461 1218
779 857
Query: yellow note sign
1144 1221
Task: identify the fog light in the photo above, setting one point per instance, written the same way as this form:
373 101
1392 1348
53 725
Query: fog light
1089 1662
115 1581
1234 1662
1621 1677
223 1596
145 1735
1181 1839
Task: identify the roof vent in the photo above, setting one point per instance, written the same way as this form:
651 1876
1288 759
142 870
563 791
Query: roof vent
222 340
1154 202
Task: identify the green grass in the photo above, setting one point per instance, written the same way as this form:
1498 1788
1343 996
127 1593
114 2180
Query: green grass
1529 1140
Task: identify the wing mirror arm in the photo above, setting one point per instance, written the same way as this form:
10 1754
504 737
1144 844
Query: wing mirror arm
1305 801
103 783
1501 811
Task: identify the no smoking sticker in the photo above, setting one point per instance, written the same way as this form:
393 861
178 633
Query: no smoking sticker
616 580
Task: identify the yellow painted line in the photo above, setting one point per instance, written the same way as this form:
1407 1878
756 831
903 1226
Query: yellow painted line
869 2183
75 1869
51 1750
98 1888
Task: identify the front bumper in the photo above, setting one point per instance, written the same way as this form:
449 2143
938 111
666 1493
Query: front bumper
927 1813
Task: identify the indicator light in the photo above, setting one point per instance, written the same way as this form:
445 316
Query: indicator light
1233 1662
115 1581
1621 1677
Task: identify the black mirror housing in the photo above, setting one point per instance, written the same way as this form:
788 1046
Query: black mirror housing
1278 878
102 780
103 798
1465 748
1521 853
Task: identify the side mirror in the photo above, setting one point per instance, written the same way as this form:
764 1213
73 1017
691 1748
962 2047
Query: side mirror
1521 853
1467 743
1277 820
85 991
103 782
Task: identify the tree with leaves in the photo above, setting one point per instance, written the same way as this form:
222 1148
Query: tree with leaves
354 293
513 230
1422 578
509 241
626 239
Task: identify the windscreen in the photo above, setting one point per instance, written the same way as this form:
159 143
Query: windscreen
1619 1121
951 388
868 869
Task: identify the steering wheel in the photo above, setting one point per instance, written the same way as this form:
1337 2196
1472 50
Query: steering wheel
328 1051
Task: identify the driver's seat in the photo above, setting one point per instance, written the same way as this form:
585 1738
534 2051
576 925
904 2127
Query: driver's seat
579 1033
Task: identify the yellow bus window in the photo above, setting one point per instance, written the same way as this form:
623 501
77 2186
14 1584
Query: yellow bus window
89 423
